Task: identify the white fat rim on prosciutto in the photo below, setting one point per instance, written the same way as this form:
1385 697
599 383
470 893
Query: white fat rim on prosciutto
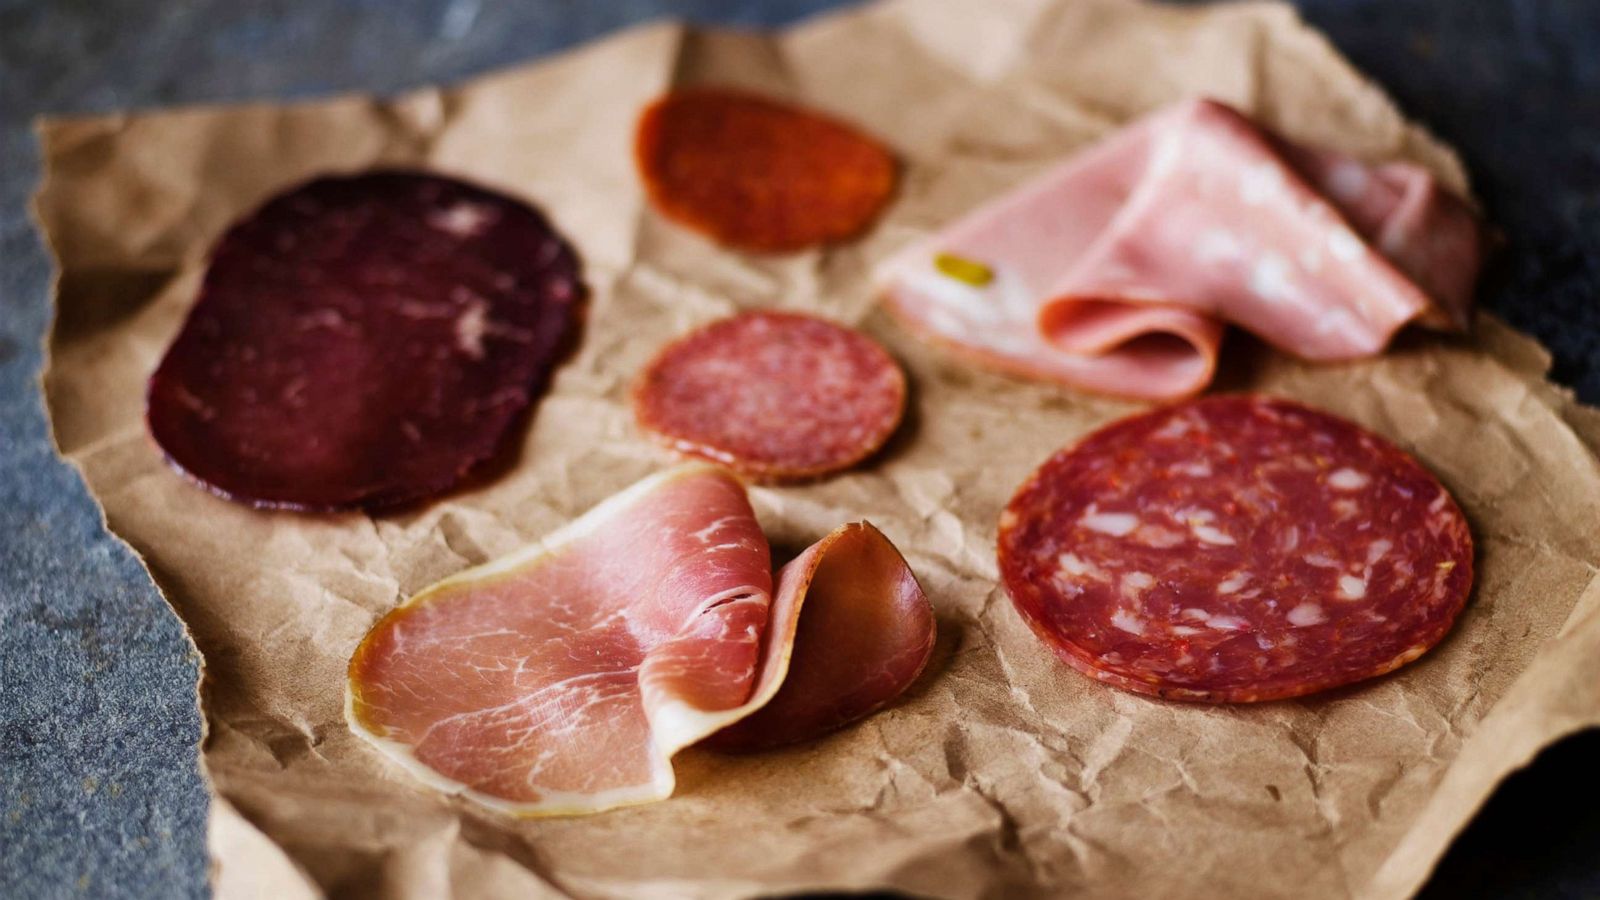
673 725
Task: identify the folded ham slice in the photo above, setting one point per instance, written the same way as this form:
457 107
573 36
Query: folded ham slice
562 679
1116 271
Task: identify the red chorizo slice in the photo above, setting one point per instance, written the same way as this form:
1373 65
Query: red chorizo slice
364 341
775 396
1234 549
756 174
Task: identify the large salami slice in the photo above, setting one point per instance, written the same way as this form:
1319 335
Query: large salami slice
775 396
364 341
1234 549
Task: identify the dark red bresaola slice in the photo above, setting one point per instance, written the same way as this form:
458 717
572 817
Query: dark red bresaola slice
364 341
1235 549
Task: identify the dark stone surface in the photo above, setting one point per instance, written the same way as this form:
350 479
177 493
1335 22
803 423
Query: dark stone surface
99 793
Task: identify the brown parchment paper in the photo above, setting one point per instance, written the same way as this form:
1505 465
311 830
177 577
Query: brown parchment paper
1003 773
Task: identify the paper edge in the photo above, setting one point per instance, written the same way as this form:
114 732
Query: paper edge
219 827
1408 867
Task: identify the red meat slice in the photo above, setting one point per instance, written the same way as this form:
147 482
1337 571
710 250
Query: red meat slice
364 341
1234 549
865 636
755 174
775 396
562 679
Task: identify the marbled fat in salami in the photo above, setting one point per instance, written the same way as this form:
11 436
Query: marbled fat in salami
775 396
364 341
1234 549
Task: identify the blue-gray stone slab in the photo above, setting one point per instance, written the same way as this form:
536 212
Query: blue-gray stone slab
99 791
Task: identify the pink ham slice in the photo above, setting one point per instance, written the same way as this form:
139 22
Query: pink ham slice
561 680
1115 271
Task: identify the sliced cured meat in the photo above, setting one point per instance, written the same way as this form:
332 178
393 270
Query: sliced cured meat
1234 549
364 341
865 636
776 396
562 679
755 174
1427 233
1114 271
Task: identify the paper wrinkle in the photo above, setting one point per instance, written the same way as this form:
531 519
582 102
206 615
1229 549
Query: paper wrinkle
1002 773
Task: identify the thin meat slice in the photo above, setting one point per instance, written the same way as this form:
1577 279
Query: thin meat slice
1114 271
1222 223
775 396
979 285
1235 549
756 174
1421 228
364 341
865 637
561 680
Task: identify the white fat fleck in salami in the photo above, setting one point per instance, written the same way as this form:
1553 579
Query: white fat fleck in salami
1073 566
1322 561
1347 480
1351 587
1227 623
1124 620
1307 614
1289 539
1378 549
1309 552
1134 584
1114 524
1157 536
1209 534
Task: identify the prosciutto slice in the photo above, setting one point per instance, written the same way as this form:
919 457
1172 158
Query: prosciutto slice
561 680
1116 271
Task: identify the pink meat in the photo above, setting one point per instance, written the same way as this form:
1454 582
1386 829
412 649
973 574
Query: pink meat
561 680
1115 271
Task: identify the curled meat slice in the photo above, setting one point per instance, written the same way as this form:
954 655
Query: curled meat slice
562 679
865 636
1115 271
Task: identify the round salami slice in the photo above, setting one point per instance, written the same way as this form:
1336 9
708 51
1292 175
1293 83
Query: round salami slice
755 174
1234 549
774 396
364 341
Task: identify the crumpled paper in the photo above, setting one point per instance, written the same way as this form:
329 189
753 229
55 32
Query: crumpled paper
1002 773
